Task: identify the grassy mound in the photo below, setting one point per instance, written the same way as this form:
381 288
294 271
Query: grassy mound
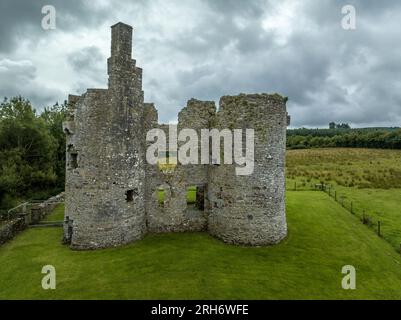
322 238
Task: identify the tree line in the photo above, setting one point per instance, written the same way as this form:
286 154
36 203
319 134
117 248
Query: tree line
32 151
380 138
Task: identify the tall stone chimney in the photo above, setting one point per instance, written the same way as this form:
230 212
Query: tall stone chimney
121 41
121 67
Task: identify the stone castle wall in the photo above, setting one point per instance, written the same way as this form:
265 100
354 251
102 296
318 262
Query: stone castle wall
105 183
112 192
250 209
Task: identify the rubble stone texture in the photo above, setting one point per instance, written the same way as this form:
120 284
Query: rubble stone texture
112 193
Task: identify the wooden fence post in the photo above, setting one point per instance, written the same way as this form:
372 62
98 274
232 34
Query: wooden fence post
378 229
295 186
335 195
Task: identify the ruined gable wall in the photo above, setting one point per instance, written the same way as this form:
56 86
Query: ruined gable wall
175 215
105 187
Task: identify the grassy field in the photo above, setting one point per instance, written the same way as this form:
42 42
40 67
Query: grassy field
322 238
369 178
360 168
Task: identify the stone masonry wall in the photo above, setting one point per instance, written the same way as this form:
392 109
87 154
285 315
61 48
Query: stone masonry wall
250 209
29 213
105 181
174 215
9 229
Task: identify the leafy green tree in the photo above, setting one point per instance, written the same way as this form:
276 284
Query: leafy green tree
28 152
54 118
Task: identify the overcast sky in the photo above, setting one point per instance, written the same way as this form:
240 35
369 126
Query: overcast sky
209 48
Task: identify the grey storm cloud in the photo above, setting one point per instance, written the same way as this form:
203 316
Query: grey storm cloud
89 64
17 77
209 48
86 59
21 19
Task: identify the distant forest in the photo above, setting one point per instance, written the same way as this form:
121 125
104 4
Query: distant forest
381 138
32 148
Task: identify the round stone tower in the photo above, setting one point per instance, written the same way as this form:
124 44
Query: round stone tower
105 180
248 205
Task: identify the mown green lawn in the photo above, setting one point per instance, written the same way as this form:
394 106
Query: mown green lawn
370 178
56 215
322 238
379 205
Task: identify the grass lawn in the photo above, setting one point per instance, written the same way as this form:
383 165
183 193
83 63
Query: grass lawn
322 238
370 178
56 215
191 195
379 205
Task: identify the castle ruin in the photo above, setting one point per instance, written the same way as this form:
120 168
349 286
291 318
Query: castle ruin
112 195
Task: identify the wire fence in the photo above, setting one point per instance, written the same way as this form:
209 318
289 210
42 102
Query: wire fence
364 217
348 205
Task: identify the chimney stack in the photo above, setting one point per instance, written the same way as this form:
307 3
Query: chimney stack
121 41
